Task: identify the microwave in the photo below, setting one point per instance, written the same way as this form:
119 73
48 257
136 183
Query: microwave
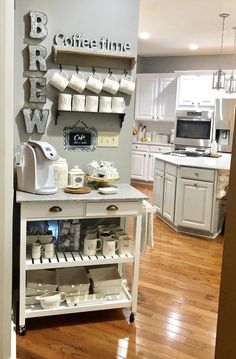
193 129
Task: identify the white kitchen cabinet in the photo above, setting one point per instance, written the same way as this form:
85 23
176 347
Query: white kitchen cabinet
143 160
145 100
128 202
165 189
139 165
194 204
169 197
155 97
195 91
166 101
158 187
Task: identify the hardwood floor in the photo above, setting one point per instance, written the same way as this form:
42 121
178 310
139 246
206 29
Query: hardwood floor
177 309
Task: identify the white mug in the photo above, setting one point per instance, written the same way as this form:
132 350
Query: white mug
78 103
124 244
127 85
118 104
48 247
48 254
91 246
77 82
64 102
109 246
94 83
37 250
110 84
91 103
105 104
59 80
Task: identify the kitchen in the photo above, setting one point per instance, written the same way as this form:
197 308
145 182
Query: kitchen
56 131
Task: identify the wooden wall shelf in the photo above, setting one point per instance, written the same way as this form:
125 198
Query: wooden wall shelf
102 59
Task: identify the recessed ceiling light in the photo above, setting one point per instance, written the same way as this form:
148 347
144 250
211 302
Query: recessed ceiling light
144 35
193 46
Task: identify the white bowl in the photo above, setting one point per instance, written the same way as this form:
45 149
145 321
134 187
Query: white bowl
51 299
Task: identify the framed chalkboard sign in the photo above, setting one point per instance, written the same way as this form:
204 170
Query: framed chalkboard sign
80 138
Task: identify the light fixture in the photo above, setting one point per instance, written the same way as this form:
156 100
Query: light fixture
231 81
193 47
219 76
144 35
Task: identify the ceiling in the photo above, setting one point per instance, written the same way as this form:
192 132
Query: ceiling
174 24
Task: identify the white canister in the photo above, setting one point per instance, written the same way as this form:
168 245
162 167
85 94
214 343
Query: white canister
76 177
60 168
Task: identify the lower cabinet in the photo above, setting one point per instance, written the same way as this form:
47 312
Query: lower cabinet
143 160
186 197
194 204
138 165
164 191
169 197
158 188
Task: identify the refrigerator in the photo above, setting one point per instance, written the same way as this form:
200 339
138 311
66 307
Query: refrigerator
224 123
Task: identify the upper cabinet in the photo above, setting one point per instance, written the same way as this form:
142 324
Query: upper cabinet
155 97
195 91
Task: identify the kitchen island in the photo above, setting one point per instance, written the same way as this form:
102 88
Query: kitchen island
190 193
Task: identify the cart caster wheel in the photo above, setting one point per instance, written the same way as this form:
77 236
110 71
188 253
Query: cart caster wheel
22 330
131 317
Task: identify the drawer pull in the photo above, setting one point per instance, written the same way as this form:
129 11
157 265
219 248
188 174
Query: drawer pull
112 207
55 209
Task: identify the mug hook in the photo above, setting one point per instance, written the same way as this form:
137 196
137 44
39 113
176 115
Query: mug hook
60 67
77 69
109 71
93 70
125 72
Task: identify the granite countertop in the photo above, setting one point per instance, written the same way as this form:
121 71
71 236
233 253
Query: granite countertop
221 163
125 193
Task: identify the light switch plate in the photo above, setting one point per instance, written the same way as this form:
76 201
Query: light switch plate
107 139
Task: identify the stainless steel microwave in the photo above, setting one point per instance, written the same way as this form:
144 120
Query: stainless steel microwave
193 129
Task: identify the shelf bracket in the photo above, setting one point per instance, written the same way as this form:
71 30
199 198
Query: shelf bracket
121 118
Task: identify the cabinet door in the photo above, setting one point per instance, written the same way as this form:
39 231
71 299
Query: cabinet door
145 99
158 190
166 101
187 91
205 94
169 197
138 165
151 165
194 204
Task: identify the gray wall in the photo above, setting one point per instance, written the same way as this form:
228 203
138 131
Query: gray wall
117 20
181 63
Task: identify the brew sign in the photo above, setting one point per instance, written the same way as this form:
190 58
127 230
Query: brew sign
79 138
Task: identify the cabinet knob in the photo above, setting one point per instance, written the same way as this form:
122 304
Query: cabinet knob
55 209
195 184
196 174
112 207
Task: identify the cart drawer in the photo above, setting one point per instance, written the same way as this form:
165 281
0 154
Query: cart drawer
200 174
111 209
53 210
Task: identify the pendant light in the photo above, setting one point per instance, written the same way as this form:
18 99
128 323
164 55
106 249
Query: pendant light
219 76
231 82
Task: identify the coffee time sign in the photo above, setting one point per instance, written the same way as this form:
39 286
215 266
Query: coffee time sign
79 41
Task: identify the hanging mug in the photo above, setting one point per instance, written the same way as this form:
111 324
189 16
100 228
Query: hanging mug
59 80
127 85
110 84
77 82
94 83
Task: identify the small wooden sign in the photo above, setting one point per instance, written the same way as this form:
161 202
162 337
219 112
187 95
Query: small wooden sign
79 138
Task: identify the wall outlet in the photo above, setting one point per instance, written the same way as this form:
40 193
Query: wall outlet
107 139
